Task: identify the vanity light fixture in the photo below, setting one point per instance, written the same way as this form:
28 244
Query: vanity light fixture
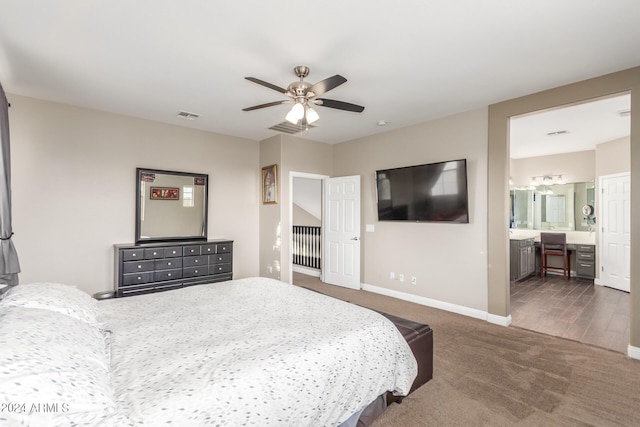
546 180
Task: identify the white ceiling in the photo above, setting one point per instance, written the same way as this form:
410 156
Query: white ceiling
570 128
406 62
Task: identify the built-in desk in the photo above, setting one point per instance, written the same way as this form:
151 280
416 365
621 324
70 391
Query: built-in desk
581 244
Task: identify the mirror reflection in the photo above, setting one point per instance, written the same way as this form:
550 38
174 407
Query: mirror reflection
170 205
565 207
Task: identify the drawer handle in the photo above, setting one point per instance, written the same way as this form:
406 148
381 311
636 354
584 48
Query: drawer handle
174 252
155 253
134 254
168 263
219 268
585 265
169 274
139 266
220 259
139 278
196 271
195 260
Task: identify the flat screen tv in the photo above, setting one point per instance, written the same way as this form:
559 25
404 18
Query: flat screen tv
434 192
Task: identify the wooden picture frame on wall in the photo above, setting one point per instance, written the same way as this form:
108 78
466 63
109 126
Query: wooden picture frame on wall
164 193
269 185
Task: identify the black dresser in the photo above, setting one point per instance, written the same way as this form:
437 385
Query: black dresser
155 267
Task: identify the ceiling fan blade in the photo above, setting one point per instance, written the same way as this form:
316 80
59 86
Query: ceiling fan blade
327 84
267 84
339 105
269 104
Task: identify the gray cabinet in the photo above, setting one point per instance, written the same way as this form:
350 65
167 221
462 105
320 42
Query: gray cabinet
522 253
586 261
155 267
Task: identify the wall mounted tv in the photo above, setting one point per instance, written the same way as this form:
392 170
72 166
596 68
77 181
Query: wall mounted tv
434 192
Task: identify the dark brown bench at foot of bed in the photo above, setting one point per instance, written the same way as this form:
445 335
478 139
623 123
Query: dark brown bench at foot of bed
420 339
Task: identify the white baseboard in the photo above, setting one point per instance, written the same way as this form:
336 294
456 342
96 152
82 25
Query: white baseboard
454 308
307 271
633 352
499 320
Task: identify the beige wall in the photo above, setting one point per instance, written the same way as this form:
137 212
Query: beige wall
73 179
270 239
627 81
299 155
292 154
613 157
448 260
303 217
579 166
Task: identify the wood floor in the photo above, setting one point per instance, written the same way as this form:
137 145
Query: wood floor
575 309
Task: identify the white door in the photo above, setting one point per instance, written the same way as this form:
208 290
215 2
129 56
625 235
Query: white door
341 218
615 219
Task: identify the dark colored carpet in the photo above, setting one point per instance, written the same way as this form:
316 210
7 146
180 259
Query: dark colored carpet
489 375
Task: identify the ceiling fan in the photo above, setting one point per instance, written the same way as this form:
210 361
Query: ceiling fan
303 94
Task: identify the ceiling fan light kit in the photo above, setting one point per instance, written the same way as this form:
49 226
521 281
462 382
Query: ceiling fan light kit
303 94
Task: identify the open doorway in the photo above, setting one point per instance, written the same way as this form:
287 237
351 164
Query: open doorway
556 156
306 220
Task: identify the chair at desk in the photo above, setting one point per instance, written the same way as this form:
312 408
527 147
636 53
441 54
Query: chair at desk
554 244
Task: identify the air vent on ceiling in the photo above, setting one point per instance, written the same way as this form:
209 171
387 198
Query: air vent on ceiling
558 132
290 128
187 115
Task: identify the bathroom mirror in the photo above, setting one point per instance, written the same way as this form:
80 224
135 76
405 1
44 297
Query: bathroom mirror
553 207
170 205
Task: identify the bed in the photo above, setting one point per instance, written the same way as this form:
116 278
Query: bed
255 352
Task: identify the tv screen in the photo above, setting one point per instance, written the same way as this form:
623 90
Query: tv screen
431 193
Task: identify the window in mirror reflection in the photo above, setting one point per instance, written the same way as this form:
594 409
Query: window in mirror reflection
187 196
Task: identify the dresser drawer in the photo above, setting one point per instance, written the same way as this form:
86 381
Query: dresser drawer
132 254
173 252
585 248
208 249
219 268
195 271
191 250
586 256
220 258
194 261
223 248
586 269
160 276
168 264
137 266
137 279
153 253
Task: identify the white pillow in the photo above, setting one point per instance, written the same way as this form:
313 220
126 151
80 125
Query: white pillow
54 368
65 299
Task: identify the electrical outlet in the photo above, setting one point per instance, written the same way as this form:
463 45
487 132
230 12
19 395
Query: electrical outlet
414 280
392 275
401 277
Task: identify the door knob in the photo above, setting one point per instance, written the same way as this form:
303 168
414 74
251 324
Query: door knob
355 238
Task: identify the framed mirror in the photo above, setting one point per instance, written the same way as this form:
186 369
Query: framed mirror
171 206
553 207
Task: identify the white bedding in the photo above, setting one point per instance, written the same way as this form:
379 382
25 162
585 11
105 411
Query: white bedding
255 352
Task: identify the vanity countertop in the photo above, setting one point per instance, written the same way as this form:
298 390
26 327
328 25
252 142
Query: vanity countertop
573 237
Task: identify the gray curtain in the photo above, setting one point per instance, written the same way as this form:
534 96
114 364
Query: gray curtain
9 265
